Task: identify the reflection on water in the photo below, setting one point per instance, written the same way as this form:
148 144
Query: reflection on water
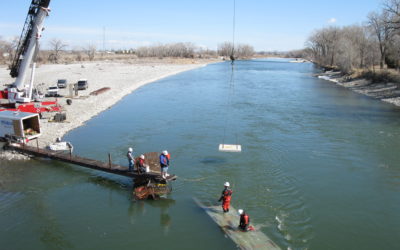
319 167
138 208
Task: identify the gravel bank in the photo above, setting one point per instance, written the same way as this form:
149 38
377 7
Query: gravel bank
122 77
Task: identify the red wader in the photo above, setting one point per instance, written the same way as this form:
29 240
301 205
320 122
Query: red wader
244 222
226 200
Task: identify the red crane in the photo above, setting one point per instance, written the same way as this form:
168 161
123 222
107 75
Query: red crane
19 93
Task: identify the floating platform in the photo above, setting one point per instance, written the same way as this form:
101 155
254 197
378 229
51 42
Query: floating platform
229 222
230 148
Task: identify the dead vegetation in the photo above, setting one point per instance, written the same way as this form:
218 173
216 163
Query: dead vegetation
377 76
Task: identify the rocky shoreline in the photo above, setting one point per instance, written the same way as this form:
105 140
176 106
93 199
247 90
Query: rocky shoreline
387 92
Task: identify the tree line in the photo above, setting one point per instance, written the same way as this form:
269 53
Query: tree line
58 51
376 42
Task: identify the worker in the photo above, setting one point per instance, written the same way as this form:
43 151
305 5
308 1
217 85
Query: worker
226 197
164 163
129 155
141 165
244 220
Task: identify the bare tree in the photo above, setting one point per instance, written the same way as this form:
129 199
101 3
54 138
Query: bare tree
186 50
393 52
357 47
56 47
349 47
330 36
315 47
225 49
323 43
91 51
380 23
245 51
206 53
392 7
3 50
7 49
345 48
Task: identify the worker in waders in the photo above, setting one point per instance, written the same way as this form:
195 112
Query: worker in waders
129 155
164 163
226 197
244 221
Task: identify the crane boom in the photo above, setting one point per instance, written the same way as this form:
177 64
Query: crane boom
28 43
19 93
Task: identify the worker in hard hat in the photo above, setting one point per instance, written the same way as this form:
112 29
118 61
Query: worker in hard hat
226 197
244 220
164 163
130 157
141 165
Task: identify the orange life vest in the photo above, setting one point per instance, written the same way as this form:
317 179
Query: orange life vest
245 219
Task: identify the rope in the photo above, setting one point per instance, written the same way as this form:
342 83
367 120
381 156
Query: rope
232 80
233 32
230 97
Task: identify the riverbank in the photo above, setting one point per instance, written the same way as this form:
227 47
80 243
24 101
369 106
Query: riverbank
121 77
385 91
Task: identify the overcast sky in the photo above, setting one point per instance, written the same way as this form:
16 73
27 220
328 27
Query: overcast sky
265 24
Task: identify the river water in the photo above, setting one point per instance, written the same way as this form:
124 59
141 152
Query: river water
319 167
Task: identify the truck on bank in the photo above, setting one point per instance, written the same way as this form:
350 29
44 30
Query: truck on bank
19 126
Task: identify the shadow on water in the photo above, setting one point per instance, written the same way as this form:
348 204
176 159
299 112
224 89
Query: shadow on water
110 183
213 160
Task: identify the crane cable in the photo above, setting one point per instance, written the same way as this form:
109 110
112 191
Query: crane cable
233 34
232 79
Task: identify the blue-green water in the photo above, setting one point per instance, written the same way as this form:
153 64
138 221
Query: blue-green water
319 168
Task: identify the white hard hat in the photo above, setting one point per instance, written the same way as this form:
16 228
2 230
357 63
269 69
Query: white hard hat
142 157
165 152
130 149
240 211
226 184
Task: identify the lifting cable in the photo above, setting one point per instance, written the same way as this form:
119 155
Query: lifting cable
227 147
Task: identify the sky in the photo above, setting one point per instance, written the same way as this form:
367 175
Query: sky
267 25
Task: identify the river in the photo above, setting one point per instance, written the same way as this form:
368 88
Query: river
319 167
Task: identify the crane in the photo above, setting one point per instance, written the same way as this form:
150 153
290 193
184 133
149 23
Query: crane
19 94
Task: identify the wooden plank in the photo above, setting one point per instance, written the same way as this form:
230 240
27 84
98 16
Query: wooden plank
229 222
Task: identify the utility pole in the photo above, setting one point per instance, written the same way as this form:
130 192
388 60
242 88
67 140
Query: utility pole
104 38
